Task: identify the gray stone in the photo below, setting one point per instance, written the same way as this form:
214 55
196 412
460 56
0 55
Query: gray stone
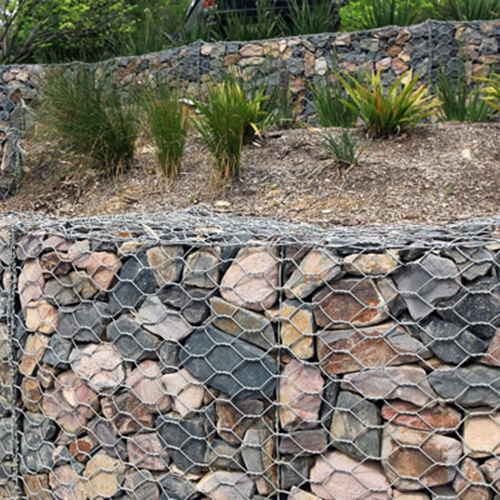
450 342
330 395
6 439
166 263
141 485
136 281
184 441
222 455
309 442
226 485
133 342
230 365
169 356
472 263
36 453
202 268
85 322
191 301
294 471
355 427
176 487
475 385
477 307
422 284
57 352
99 430
70 289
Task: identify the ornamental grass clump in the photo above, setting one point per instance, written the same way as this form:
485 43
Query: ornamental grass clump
491 92
389 112
89 116
168 121
344 148
228 115
466 10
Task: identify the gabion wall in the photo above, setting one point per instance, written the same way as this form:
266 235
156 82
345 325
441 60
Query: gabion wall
189 356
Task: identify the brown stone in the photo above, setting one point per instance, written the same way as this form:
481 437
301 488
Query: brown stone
336 475
371 264
77 394
297 329
297 494
54 406
470 483
440 418
185 391
481 435
415 459
251 50
34 350
252 280
55 264
491 469
202 268
31 394
103 473
66 484
36 486
300 390
31 282
225 485
102 268
146 452
41 316
166 263
344 351
350 303
492 355
126 413
82 447
46 376
317 268
312 441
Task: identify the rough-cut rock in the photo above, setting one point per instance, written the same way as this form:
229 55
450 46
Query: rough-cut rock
246 325
481 434
298 494
33 353
222 455
77 394
355 427
235 416
66 484
191 301
202 268
472 263
439 418
451 343
132 341
422 284
166 263
57 352
475 307
336 475
474 385
230 365
414 495
301 388
184 441
102 267
36 486
54 406
306 442
164 322
82 447
85 322
408 383
344 351
223 485
104 474
297 328
318 268
146 452
371 264
31 394
252 280
169 356
99 364
294 470
101 431
491 469
41 317
136 281
413 460
31 283
349 302
177 487
145 384
185 391
141 485
126 413
470 483
70 289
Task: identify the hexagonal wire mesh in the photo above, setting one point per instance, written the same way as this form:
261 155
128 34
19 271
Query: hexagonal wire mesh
191 355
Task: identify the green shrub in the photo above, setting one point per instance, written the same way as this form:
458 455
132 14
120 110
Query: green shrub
227 113
344 147
467 10
309 17
329 100
491 93
386 113
90 116
285 106
167 118
459 101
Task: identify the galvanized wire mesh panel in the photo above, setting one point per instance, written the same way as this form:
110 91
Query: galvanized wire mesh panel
192 356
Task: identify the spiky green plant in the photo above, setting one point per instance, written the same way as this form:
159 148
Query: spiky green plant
344 148
491 92
467 10
167 119
387 112
380 13
90 116
309 17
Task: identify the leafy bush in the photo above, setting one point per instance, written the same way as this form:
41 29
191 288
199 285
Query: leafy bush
459 101
89 116
168 120
389 112
309 17
227 113
491 93
466 10
344 147
329 100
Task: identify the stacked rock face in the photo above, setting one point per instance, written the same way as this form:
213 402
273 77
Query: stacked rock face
250 369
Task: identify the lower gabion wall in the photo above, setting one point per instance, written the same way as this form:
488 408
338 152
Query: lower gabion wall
188 357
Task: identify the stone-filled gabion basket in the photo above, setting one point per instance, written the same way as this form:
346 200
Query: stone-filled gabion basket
192 356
